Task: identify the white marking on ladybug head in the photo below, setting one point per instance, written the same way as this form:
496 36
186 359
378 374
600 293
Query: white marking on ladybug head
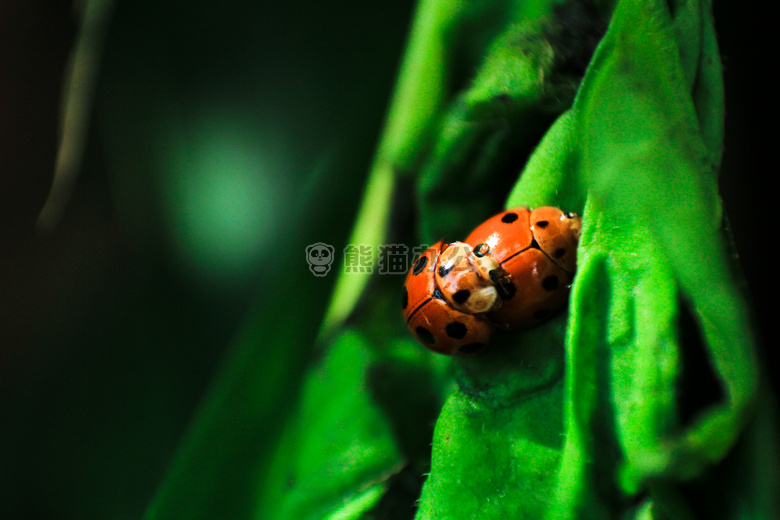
481 300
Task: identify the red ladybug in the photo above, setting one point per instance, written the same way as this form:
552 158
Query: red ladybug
431 318
537 254
512 271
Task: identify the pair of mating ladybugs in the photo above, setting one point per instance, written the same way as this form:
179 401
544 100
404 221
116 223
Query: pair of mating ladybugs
511 272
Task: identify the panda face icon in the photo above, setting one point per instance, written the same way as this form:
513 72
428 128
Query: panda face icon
319 256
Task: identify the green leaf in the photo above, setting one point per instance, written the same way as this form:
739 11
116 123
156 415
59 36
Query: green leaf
338 451
498 441
653 224
528 75
654 301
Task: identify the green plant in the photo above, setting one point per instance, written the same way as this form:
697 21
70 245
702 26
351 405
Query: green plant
638 402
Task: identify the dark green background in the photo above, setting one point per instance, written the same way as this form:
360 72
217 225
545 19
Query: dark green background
108 337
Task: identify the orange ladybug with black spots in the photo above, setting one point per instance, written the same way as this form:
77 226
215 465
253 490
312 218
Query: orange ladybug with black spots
517 273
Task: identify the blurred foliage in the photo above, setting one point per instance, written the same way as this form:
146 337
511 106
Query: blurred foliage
165 345
222 140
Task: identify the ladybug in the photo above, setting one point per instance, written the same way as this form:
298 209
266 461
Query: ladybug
430 317
513 271
537 254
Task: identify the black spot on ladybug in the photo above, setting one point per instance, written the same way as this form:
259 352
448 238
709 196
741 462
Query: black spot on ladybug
425 335
550 283
419 265
509 218
456 330
461 296
559 252
437 294
542 224
404 299
507 290
472 348
541 314
444 271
